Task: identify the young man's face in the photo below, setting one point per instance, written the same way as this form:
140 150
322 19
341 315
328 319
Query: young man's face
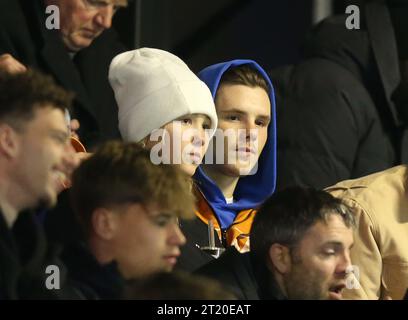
319 263
82 21
44 157
185 141
246 112
147 241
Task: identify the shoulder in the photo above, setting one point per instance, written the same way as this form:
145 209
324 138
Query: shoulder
392 181
232 269
381 197
10 10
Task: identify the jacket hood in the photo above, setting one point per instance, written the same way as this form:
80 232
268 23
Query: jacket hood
252 190
331 40
369 53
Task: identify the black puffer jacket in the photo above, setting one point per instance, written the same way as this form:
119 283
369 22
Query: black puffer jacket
24 258
24 35
336 115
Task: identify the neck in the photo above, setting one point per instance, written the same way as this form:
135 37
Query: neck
227 184
11 202
277 279
9 212
101 252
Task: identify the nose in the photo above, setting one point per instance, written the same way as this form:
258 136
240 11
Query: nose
69 159
251 131
104 16
198 138
176 237
344 264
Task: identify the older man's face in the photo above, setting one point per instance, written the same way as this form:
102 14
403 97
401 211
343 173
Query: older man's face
319 267
82 21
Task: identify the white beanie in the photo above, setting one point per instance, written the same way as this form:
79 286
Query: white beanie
154 87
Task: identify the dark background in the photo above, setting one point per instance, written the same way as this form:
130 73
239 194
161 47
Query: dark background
203 32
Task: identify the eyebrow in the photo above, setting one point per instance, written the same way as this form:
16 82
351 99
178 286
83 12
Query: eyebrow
333 243
120 3
233 110
60 133
265 118
161 214
336 244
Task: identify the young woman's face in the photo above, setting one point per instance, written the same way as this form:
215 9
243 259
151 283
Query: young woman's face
184 142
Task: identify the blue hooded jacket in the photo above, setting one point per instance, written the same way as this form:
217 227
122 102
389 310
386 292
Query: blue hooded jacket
252 190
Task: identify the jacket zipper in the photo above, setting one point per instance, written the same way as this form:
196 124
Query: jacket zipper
224 237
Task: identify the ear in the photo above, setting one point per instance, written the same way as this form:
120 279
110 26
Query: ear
105 223
279 257
9 141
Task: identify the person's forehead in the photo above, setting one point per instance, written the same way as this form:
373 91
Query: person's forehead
117 2
194 116
332 230
150 209
201 116
238 96
47 119
48 112
114 2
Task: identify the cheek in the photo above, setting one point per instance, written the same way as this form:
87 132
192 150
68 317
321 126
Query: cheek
229 143
206 144
137 244
262 138
225 125
153 244
233 136
325 269
74 21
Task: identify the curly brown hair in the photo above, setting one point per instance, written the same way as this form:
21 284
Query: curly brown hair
119 173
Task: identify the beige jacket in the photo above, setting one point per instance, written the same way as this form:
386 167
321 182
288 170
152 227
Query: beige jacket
380 204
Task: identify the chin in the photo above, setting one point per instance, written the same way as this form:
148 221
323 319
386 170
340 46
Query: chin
248 171
46 203
78 44
231 170
49 199
188 169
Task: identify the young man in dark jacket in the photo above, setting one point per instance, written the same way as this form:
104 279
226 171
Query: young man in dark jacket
35 157
128 208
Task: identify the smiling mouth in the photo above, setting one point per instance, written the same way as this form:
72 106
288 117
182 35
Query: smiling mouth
59 174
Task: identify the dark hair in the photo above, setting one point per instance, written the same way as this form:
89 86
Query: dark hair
21 94
287 215
176 285
122 173
245 75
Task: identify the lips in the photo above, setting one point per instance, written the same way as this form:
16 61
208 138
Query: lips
335 292
246 150
195 156
171 259
59 179
245 153
59 175
90 33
